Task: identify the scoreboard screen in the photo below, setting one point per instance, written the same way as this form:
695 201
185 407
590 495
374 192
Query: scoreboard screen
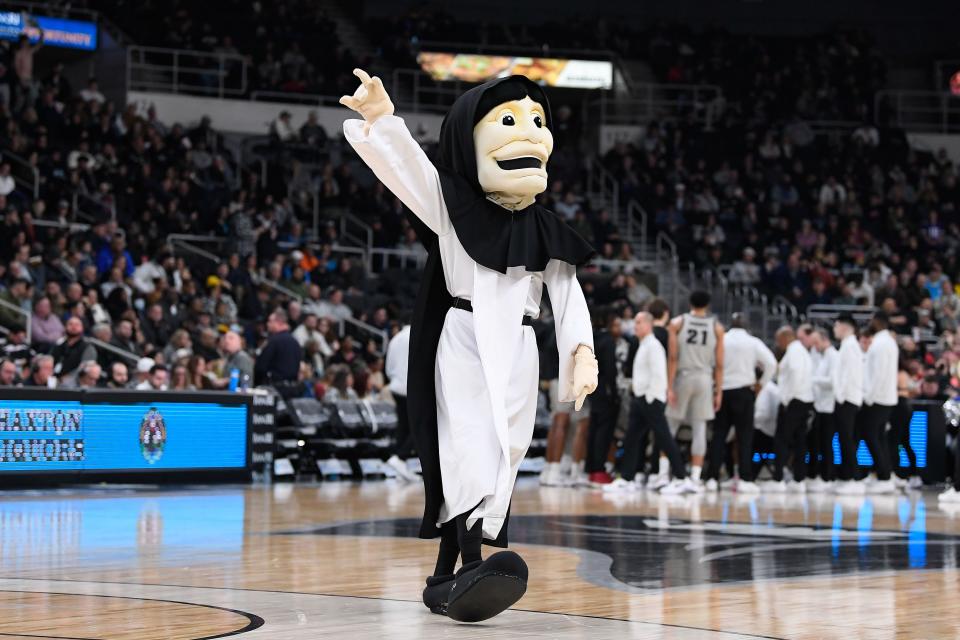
73 431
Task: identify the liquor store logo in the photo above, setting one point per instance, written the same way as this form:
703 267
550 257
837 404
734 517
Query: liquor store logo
153 436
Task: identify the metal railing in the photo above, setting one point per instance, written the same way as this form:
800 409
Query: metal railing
24 174
603 183
182 71
314 99
184 243
399 258
89 208
375 333
637 221
860 313
920 111
652 100
72 227
115 350
20 311
414 90
356 230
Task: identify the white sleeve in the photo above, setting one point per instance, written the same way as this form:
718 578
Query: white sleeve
868 379
766 360
402 166
571 317
824 380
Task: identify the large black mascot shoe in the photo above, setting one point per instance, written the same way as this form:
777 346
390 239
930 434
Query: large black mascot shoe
484 589
437 592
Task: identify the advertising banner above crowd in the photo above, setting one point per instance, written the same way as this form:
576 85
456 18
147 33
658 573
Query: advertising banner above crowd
550 72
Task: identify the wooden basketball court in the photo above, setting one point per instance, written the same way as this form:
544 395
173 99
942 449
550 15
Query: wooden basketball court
340 560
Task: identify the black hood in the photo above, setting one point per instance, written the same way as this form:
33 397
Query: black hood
457 153
495 237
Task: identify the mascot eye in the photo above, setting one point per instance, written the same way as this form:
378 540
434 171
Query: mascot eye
508 120
538 121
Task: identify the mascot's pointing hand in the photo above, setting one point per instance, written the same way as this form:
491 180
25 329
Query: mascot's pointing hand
585 372
370 99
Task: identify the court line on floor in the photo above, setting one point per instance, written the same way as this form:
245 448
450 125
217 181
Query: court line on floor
253 621
346 596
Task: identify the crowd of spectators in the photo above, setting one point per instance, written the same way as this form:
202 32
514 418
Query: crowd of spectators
291 45
845 215
112 303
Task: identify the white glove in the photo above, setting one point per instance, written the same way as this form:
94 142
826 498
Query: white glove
370 99
585 372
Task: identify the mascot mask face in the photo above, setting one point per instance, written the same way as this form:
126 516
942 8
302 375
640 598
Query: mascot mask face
513 144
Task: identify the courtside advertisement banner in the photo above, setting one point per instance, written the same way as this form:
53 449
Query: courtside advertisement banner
551 72
121 432
57 32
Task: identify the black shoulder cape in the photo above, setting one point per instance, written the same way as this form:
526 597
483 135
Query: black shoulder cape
495 238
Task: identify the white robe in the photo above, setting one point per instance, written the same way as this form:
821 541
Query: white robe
487 364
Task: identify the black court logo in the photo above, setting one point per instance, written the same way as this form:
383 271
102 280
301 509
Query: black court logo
643 552
153 436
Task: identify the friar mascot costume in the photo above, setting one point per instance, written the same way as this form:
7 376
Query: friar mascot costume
473 370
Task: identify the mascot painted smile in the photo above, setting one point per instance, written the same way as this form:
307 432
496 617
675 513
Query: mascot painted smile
473 370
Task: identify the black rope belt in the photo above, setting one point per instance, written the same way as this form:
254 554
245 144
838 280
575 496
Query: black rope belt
460 303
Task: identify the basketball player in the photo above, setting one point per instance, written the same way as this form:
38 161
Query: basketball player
825 358
795 379
695 375
743 354
879 400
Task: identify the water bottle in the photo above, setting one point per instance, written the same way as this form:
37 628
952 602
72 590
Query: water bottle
245 382
234 379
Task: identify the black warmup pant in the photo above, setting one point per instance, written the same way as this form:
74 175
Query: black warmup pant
645 416
821 446
792 436
404 447
900 435
845 422
736 411
875 418
603 417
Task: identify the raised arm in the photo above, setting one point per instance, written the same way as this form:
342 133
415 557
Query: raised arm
384 143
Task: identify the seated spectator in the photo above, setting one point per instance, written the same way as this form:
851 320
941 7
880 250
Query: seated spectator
282 129
156 380
311 132
9 374
88 375
123 337
180 378
334 307
45 327
41 373
197 374
341 386
234 359
746 270
119 376
72 349
17 350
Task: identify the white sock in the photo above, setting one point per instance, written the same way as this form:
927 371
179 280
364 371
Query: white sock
565 463
576 469
736 472
695 471
663 466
